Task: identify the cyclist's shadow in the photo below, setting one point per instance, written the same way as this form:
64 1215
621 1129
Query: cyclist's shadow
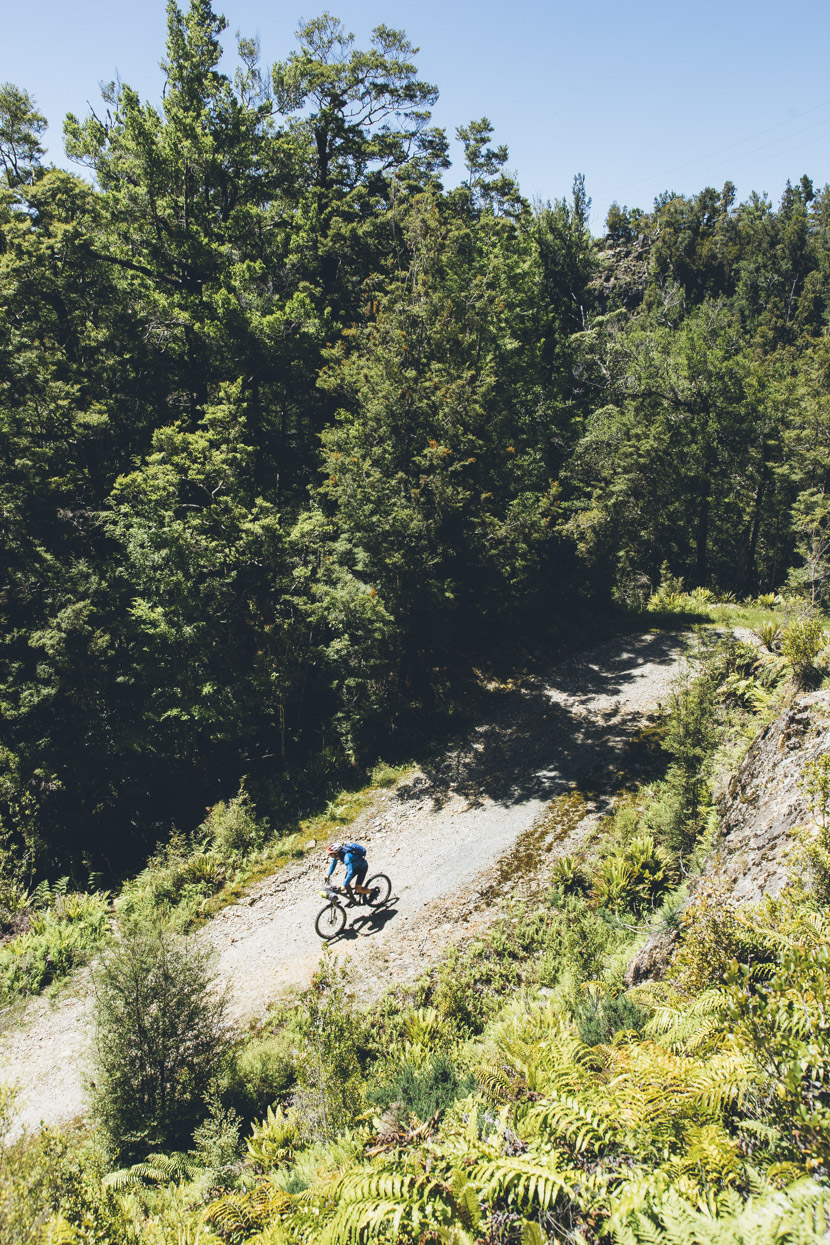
365 924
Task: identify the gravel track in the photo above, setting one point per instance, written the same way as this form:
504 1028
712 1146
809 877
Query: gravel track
445 836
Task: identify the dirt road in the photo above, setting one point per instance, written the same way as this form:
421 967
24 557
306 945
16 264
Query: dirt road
449 837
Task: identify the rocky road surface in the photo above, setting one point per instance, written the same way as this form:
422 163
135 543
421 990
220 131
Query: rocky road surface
450 837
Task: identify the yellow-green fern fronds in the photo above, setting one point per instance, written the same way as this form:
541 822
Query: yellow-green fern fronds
533 1181
394 1200
237 1215
798 1215
688 1025
499 1082
155 1169
578 1125
274 1139
723 1081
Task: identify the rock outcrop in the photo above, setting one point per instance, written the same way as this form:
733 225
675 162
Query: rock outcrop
764 801
756 813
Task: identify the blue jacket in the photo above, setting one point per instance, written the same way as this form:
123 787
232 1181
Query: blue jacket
352 856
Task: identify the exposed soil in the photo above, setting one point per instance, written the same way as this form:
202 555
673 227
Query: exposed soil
485 821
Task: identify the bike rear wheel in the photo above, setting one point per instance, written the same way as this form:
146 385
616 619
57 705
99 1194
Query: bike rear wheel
380 889
330 921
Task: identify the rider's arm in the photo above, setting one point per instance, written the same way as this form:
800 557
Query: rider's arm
332 867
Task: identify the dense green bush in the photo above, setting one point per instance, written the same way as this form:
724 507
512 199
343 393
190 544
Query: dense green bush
160 1040
801 644
335 1045
233 827
599 1018
58 940
422 1089
260 1073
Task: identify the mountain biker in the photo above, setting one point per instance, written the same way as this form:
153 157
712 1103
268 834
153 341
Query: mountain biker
353 856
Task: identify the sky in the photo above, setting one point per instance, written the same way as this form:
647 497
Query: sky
639 96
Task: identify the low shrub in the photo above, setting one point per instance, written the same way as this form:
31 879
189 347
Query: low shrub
423 1090
260 1073
635 878
600 1016
713 935
801 644
568 877
232 827
58 940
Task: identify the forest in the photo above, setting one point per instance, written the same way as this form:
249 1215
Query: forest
311 446
292 437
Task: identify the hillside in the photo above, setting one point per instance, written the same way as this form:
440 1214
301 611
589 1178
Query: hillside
481 823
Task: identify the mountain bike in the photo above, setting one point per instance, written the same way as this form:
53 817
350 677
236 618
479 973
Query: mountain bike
332 919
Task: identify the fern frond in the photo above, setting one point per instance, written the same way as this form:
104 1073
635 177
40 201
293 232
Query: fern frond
723 1081
526 1181
576 1123
240 1214
155 1169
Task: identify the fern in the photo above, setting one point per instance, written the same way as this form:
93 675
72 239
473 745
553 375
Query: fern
237 1215
368 1200
527 1181
155 1169
577 1124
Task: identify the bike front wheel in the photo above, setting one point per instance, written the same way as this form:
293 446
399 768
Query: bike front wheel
330 921
380 888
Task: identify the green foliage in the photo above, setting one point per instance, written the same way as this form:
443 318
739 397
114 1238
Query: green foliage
599 1017
422 1090
569 877
801 643
160 1039
274 1140
232 826
815 783
784 1025
217 1141
330 1084
56 940
51 1189
261 1072
635 878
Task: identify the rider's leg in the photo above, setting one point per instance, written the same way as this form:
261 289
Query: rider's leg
360 878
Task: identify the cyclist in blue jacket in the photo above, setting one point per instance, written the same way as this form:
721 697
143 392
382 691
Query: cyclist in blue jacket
353 856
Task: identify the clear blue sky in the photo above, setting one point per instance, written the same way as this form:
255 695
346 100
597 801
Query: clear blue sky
639 96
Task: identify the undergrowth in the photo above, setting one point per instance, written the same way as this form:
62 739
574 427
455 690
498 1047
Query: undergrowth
521 1091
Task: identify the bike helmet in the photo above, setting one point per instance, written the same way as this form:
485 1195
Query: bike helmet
333 849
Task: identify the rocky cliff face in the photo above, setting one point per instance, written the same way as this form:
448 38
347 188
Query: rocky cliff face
763 801
756 812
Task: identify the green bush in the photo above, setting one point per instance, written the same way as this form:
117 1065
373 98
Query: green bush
160 1040
568 877
260 1073
585 939
232 826
51 1192
177 881
635 877
598 1019
784 1027
423 1090
58 940
330 1068
801 644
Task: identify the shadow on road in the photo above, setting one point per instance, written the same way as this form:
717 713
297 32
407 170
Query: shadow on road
557 729
364 926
